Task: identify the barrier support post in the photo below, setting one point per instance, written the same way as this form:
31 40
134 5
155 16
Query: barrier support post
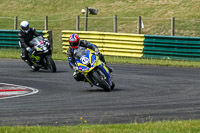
86 19
46 23
173 26
77 22
115 23
15 23
139 25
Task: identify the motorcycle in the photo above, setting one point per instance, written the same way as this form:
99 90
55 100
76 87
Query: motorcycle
41 55
93 69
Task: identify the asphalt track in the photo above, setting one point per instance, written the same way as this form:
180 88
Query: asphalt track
142 93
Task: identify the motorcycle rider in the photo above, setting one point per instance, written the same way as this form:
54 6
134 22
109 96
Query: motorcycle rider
26 34
75 42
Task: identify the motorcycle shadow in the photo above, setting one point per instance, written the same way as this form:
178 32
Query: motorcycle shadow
49 71
101 90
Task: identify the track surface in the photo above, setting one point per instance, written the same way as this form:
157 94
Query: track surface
142 93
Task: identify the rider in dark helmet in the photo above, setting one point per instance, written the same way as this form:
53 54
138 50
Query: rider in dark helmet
75 42
26 34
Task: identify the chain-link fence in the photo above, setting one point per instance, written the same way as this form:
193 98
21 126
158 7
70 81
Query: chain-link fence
151 26
120 24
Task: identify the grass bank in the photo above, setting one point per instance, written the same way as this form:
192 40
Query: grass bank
190 126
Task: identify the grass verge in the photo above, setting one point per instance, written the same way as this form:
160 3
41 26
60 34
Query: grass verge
157 62
15 54
190 126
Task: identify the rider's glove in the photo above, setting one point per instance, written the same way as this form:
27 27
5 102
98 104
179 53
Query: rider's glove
29 49
97 52
46 41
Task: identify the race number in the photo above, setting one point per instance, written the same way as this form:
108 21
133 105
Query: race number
84 60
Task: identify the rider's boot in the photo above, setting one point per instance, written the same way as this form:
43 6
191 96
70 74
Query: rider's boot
33 67
30 63
85 80
27 60
91 85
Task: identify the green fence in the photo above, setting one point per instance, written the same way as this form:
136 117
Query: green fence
172 47
9 38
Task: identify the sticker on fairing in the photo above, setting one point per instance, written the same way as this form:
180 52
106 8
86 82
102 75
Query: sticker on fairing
84 60
93 60
83 68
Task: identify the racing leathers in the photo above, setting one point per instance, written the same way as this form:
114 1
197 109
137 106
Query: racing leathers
24 39
72 63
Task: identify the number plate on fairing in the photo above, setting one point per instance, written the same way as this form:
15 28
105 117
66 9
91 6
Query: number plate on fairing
84 60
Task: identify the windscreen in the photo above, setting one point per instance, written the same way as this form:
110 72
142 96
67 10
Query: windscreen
79 52
36 40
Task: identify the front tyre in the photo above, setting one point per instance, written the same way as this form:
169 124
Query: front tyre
50 64
100 81
113 85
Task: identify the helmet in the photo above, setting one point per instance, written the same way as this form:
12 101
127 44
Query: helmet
24 26
74 41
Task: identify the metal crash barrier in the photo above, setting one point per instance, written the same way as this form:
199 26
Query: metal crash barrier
9 38
115 44
140 45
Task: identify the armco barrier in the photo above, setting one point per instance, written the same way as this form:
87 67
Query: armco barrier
139 45
172 47
115 44
9 38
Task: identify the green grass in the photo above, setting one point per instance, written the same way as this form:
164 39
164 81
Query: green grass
15 54
157 62
190 126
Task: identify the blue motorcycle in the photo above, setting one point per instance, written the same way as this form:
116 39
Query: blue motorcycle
93 69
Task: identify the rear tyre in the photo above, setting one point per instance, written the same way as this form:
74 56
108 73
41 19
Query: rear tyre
99 79
50 64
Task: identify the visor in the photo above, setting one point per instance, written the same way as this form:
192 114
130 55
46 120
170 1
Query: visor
25 28
75 47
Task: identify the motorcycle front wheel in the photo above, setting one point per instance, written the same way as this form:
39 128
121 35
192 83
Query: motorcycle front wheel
101 81
50 64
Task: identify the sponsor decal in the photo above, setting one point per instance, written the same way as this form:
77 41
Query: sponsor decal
80 68
72 39
84 60
85 69
11 91
93 62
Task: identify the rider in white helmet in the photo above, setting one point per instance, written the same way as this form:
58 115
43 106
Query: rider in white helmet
26 34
